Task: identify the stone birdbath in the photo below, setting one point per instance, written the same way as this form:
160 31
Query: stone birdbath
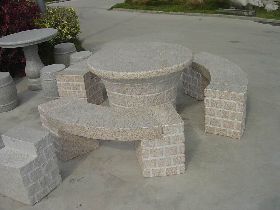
29 40
140 74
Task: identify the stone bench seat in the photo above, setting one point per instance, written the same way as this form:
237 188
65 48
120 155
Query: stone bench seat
223 86
91 121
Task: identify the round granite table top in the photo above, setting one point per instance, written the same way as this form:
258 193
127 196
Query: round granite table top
27 38
139 60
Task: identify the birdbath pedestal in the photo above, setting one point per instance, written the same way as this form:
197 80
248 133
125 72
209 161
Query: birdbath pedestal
29 40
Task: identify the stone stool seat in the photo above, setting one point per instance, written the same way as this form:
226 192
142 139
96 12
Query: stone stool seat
62 53
48 80
28 165
79 56
8 92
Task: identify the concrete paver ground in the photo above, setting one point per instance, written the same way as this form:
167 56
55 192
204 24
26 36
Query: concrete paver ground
221 173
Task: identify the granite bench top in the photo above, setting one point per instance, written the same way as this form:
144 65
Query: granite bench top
27 38
222 73
139 60
80 118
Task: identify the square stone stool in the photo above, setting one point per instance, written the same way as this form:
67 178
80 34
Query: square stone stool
48 80
28 165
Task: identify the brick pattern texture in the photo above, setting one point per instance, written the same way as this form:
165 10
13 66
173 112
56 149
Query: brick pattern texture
194 83
142 94
225 112
36 178
41 176
163 157
87 87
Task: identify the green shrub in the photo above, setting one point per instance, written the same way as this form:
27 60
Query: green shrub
65 20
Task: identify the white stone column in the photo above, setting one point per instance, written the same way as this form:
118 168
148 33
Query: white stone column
33 67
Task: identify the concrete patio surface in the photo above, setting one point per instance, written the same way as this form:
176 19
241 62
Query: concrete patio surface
221 173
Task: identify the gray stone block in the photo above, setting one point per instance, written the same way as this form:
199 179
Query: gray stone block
34 84
28 165
8 92
62 53
48 80
79 56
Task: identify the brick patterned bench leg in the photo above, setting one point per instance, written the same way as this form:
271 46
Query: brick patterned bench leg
87 87
194 83
163 157
225 112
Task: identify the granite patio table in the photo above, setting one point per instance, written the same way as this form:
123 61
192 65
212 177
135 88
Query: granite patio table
29 40
140 74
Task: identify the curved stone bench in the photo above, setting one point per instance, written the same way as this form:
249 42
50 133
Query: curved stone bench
223 85
104 123
158 132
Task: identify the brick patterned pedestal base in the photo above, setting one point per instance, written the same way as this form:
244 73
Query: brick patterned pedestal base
77 81
137 93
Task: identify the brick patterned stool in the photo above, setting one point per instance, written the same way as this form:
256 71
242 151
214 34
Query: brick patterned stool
76 80
223 85
28 165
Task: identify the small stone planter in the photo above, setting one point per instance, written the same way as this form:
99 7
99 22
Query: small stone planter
62 53
8 92
79 56
48 80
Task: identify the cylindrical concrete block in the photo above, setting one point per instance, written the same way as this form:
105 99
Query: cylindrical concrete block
8 92
48 81
62 53
79 56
